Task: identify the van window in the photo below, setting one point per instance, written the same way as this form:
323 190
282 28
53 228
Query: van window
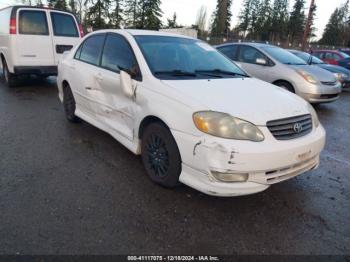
117 52
64 25
92 48
33 22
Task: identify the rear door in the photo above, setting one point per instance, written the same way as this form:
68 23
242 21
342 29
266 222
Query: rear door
65 32
33 41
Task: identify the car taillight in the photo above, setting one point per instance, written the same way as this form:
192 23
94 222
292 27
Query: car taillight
81 31
13 26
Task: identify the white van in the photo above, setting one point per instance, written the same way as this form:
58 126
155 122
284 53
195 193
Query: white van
33 39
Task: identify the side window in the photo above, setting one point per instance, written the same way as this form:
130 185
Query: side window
77 54
328 56
91 50
117 53
64 25
248 54
336 57
230 51
33 22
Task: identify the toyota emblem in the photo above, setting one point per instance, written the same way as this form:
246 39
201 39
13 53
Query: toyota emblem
298 128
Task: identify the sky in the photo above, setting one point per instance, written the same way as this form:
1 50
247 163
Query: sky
186 10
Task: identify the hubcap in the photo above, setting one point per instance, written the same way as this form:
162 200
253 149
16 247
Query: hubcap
157 155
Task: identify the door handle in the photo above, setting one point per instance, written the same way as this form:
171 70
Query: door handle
92 89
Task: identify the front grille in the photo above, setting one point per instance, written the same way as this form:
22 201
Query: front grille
330 96
329 83
290 128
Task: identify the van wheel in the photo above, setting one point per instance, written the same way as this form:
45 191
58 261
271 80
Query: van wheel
285 85
69 105
160 155
10 79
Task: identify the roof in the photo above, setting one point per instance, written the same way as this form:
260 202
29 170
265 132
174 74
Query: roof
246 43
135 32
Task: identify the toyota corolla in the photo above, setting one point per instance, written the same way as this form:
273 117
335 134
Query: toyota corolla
193 115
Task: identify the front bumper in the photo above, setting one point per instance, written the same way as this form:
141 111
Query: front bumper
321 93
266 162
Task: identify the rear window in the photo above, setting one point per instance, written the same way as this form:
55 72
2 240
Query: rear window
33 22
64 25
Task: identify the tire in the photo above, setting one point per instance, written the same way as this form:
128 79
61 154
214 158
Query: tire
285 85
160 155
69 105
10 79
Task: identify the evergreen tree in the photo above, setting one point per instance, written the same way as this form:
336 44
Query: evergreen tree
131 13
297 21
263 23
245 17
39 3
279 22
221 20
73 6
116 17
335 31
97 13
149 15
172 22
313 29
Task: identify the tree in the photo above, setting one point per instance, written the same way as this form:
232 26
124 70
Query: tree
313 29
150 15
297 21
221 19
336 28
131 12
201 21
263 22
116 17
279 20
172 22
72 6
58 4
96 13
244 17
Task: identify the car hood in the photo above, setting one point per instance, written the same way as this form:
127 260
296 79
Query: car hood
246 98
319 73
335 68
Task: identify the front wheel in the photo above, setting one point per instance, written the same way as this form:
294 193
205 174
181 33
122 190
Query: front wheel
160 155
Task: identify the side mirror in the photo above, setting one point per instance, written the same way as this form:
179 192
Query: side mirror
261 61
126 84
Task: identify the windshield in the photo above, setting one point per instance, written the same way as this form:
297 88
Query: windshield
344 55
307 57
182 58
283 56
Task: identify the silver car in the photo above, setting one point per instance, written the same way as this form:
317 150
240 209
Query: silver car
278 66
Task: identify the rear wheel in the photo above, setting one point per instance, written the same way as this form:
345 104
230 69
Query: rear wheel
160 155
10 79
285 85
69 105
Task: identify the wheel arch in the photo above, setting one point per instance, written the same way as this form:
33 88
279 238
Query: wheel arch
284 81
146 121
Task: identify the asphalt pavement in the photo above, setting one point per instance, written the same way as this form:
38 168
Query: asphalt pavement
72 189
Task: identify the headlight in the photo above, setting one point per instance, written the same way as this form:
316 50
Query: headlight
225 126
340 76
307 76
313 113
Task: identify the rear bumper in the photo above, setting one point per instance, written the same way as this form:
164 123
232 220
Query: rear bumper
35 70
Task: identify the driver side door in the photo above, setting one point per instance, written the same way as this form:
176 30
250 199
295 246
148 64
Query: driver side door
117 109
247 59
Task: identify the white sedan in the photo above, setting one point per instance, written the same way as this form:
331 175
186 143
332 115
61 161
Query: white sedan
193 115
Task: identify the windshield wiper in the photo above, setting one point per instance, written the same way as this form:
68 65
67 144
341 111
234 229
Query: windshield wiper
220 72
176 73
293 63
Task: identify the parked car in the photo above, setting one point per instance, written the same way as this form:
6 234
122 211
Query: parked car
278 66
342 74
33 39
193 115
345 50
333 57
